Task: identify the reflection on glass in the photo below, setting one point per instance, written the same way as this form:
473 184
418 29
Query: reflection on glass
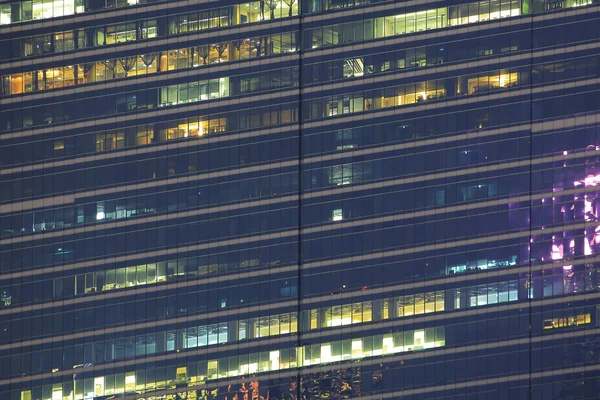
145 64
245 364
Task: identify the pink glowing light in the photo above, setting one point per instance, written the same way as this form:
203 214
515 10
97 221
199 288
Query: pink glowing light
557 252
591 180
587 247
588 206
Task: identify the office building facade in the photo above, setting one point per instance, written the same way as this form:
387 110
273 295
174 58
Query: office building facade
299 199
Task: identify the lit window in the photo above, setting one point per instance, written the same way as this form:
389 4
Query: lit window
336 215
59 145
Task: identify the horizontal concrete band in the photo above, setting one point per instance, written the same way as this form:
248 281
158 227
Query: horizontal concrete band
292 234
103 52
196 36
231 102
84 19
306 266
368 80
315 229
154 218
265 62
442 105
448 281
90 17
453 30
240 274
269 131
566 122
400 358
306 19
68 199
395 323
326 192
449 388
106 227
445 245
262 134
482 383
493 62
196 72
444 175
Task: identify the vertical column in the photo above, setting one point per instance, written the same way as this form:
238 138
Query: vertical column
251 333
377 310
449 299
232 331
322 317
304 321
392 308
